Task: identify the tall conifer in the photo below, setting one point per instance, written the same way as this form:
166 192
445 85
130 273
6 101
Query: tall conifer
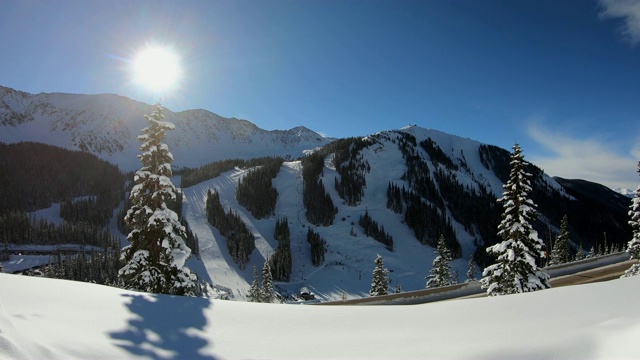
440 274
516 270
561 252
633 247
268 294
254 290
380 280
157 253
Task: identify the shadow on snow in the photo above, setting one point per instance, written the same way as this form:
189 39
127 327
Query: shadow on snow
165 327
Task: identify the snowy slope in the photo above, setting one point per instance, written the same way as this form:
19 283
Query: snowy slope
108 125
86 321
346 271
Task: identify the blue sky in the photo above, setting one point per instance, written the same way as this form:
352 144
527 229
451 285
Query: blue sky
562 78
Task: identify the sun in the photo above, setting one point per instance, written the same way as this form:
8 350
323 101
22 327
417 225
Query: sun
157 68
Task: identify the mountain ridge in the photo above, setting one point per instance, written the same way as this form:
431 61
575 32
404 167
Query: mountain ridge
414 184
107 125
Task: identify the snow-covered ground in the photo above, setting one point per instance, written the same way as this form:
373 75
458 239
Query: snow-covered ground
56 319
346 271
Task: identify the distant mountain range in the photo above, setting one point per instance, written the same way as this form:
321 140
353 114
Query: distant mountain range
108 125
414 183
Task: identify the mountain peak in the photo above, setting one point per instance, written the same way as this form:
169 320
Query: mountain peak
107 125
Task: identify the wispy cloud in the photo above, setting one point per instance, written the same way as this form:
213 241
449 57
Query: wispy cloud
592 159
629 11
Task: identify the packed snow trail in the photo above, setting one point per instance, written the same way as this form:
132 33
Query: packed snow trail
213 249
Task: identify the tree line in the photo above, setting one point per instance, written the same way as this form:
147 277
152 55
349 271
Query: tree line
280 262
318 247
371 228
19 229
255 190
240 241
99 267
36 175
352 167
320 210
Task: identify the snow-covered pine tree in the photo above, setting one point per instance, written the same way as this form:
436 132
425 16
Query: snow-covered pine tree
268 295
633 248
157 253
380 280
516 270
440 274
592 253
254 291
471 270
561 252
580 253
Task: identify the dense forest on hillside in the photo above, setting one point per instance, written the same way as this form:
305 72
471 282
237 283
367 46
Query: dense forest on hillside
425 207
240 241
318 247
371 228
39 175
19 229
320 210
255 191
352 167
34 175
280 261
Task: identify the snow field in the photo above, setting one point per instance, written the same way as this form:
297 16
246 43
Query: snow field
56 319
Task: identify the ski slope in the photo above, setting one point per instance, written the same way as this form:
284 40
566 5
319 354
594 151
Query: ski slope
346 271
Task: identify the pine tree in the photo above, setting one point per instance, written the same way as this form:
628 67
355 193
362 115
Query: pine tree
516 270
633 247
471 270
580 253
380 280
561 252
268 295
440 274
157 253
592 253
254 290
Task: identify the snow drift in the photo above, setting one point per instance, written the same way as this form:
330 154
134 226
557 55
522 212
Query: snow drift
55 319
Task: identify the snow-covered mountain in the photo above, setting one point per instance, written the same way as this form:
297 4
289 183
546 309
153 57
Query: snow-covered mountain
465 174
414 183
108 125
626 192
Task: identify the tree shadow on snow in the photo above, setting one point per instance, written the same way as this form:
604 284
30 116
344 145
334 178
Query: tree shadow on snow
163 328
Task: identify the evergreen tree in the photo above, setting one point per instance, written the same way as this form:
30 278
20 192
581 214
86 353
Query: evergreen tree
268 295
471 270
580 253
440 274
633 248
380 280
254 290
516 270
592 253
157 253
561 252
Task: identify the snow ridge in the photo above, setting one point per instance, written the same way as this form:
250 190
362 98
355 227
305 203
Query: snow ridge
107 125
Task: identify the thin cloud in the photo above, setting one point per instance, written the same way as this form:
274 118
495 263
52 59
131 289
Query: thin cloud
588 159
629 11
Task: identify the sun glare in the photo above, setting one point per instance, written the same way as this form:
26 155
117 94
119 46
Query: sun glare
157 68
